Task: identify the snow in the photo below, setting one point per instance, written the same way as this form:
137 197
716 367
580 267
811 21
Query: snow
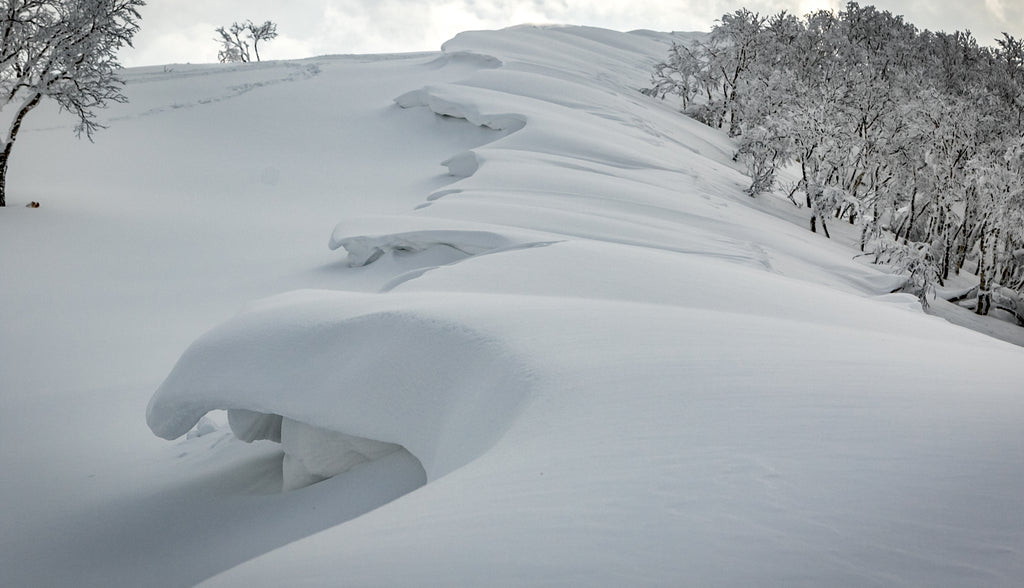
550 342
422 234
353 363
312 454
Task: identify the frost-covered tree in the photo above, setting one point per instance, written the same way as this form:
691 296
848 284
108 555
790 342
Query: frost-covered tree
233 47
264 32
65 50
713 70
913 135
235 40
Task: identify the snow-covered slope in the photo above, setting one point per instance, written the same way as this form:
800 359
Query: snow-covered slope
579 355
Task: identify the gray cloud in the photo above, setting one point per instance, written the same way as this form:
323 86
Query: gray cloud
183 30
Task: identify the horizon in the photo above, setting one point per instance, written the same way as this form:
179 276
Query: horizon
183 31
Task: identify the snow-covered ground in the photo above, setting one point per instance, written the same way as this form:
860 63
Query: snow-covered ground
522 319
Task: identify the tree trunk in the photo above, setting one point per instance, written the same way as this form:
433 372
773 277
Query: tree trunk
5 155
944 274
984 295
910 225
3 174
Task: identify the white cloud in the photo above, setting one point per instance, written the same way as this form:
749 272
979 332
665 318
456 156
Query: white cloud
997 8
808 6
182 30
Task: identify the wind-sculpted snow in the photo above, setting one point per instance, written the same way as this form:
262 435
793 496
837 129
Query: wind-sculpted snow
394 369
615 367
365 239
311 454
651 442
552 342
433 99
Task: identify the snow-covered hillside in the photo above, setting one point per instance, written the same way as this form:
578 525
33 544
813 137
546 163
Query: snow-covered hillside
551 342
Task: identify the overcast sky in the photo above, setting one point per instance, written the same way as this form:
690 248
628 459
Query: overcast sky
180 31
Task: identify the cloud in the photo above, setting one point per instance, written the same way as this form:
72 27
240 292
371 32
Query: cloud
182 30
996 8
808 6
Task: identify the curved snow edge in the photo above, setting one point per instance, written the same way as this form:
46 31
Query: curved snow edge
389 368
366 240
432 97
465 56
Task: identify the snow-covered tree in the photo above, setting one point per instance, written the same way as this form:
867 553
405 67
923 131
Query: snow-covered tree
65 50
235 40
913 135
264 32
233 47
714 70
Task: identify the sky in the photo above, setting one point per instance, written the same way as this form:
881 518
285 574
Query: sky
182 31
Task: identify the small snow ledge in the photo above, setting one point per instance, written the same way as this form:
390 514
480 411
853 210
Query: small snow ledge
415 235
465 56
342 378
437 99
462 165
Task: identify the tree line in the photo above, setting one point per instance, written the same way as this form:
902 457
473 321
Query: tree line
915 136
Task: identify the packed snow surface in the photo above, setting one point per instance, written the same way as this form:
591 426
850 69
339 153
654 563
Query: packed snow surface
549 341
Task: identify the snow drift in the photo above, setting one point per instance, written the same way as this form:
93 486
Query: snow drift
380 370
676 388
552 342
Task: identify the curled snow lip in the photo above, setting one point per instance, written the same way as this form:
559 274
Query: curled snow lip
442 101
465 56
387 368
367 239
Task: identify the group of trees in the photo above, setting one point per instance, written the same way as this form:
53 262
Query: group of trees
235 40
916 136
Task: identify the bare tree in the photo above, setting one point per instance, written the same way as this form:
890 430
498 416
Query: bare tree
65 50
233 47
235 40
264 32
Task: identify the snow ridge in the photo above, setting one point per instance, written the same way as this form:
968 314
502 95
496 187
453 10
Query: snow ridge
613 366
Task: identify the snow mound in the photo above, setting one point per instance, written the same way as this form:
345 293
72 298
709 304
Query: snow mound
387 368
625 436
